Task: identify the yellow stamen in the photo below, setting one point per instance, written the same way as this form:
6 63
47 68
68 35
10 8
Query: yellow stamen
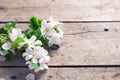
33 53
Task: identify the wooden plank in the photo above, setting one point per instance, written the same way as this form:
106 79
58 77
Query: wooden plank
69 10
84 44
62 74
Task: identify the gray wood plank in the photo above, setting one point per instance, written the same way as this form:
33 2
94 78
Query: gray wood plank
69 10
83 44
62 74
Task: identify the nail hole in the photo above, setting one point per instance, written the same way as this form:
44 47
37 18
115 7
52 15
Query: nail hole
13 77
106 29
116 46
2 8
50 76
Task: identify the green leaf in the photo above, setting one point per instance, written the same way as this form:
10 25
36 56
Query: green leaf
57 30
3 39
8 26
34 23
40 21
17 41
2 31
22 49
14 23
9 55
36 32
43 39
35 65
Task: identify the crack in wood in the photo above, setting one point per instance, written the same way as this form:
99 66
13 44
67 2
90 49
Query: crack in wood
83 32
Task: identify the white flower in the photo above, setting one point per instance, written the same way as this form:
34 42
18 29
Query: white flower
16 32
47 29
31 42
54 22
42 67
55 39
43 64
35 53
6 46
29 63
40 52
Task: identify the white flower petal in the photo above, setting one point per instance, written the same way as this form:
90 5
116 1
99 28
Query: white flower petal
49 31
55 39
6 46
3 53
54 22
28 57
29 63
38 42
29 50
44 66
16 32
47 59
51 18
34 60
40 52
41 60
25 54
44 23
33 38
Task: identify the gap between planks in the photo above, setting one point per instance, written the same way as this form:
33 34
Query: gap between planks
24 22
69 66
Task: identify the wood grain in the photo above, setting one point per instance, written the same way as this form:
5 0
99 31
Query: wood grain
65 10
62 74
83 44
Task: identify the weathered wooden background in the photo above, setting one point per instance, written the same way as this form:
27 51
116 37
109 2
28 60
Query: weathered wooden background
91 44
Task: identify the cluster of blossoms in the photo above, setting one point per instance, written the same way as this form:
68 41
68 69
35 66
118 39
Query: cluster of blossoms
30 42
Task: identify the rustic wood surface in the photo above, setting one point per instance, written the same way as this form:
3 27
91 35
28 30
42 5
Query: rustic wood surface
90 47
62 74
83 44
66 10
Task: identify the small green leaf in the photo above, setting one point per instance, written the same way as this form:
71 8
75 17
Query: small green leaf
17 41
8 26
36 32
2 31
43 39
40 21
9 55
14 23
35 65
57 30
22 49
34 23
3 39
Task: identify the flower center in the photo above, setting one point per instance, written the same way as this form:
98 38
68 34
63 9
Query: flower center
33 53
2 39
47 29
